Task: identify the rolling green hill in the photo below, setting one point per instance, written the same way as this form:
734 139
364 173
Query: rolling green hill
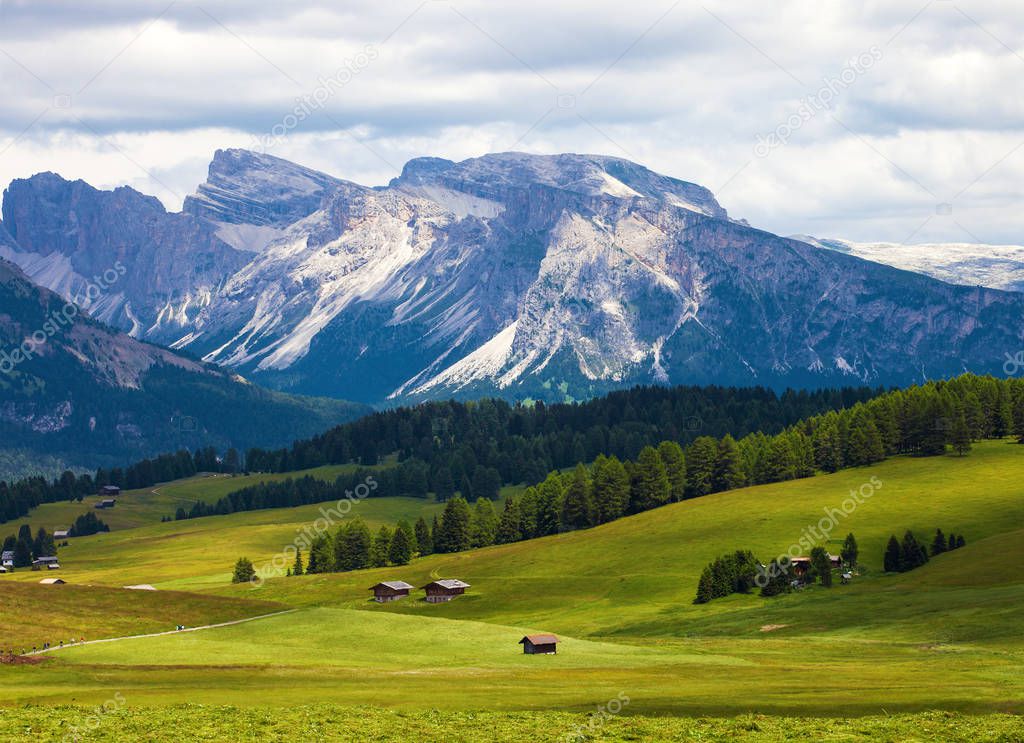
945 636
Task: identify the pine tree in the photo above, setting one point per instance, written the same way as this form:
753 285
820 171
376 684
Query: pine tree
444 484
822 566
244 571
1017 415
424 539
352 546
939 543
453 534
410 536
577 505
380 548
960 541
484 524
705 588
850 551
510 527
701 461
728 466
650 482
400 550
675 468
297 567
611 489
893 556
22 554
549 505
960 433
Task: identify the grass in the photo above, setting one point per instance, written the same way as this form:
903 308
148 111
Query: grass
332 723
946 636
34 614
147 506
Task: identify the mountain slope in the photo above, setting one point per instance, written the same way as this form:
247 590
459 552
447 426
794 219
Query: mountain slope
992 266
535 276
70 387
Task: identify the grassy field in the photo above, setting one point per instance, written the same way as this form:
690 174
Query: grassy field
947 636
332 723
148 505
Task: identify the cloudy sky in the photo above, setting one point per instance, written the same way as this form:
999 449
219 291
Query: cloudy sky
896 121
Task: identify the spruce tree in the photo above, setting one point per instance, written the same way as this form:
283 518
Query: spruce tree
297 567
352 546
549 505
938 543
410 536
510 527
728 466
577 505
244 571
380 548
400 550
611 489
960 541
650 482
893 556
850 551
484 524
453 534
701 461
424 540
675 468
822 566
960 433
705 588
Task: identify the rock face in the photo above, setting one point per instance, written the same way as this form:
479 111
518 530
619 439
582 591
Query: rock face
553 276
70 387
117 253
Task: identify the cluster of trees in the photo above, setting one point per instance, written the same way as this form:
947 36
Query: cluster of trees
353 547
909 554
522 443
18 498
27 547
941 544
735 573
86 524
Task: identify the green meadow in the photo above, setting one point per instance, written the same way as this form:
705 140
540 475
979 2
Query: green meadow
940 648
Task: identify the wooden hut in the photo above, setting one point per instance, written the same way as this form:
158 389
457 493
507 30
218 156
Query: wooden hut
539 644
444 590
390 590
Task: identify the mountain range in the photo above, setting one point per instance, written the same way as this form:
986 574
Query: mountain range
526 276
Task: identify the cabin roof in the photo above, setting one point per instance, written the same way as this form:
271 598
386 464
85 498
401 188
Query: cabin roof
397 585
448 583
540 639
52 581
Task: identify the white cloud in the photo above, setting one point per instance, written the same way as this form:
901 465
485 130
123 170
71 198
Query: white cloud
684 89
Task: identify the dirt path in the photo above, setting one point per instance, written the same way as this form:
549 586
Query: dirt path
161 634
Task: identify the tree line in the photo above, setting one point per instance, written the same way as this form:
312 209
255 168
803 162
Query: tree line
26 547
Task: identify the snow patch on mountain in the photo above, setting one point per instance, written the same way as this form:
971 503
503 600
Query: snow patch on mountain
483 363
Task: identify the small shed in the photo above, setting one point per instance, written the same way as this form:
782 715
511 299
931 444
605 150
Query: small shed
390 590
50 563
445 589
539 644
110 490
107 503
60 534
52 581
7 558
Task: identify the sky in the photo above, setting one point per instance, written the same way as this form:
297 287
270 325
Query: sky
898 121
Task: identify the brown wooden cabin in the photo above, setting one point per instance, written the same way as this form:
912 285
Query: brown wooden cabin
390 590
110 490
444 590
801 564
539 644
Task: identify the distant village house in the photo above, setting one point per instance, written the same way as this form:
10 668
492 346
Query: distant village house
60 534
107 503
50 563
444 590
390 590
110 490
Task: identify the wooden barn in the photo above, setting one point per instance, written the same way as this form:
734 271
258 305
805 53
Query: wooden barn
390 590
444 590
110 490
539 644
